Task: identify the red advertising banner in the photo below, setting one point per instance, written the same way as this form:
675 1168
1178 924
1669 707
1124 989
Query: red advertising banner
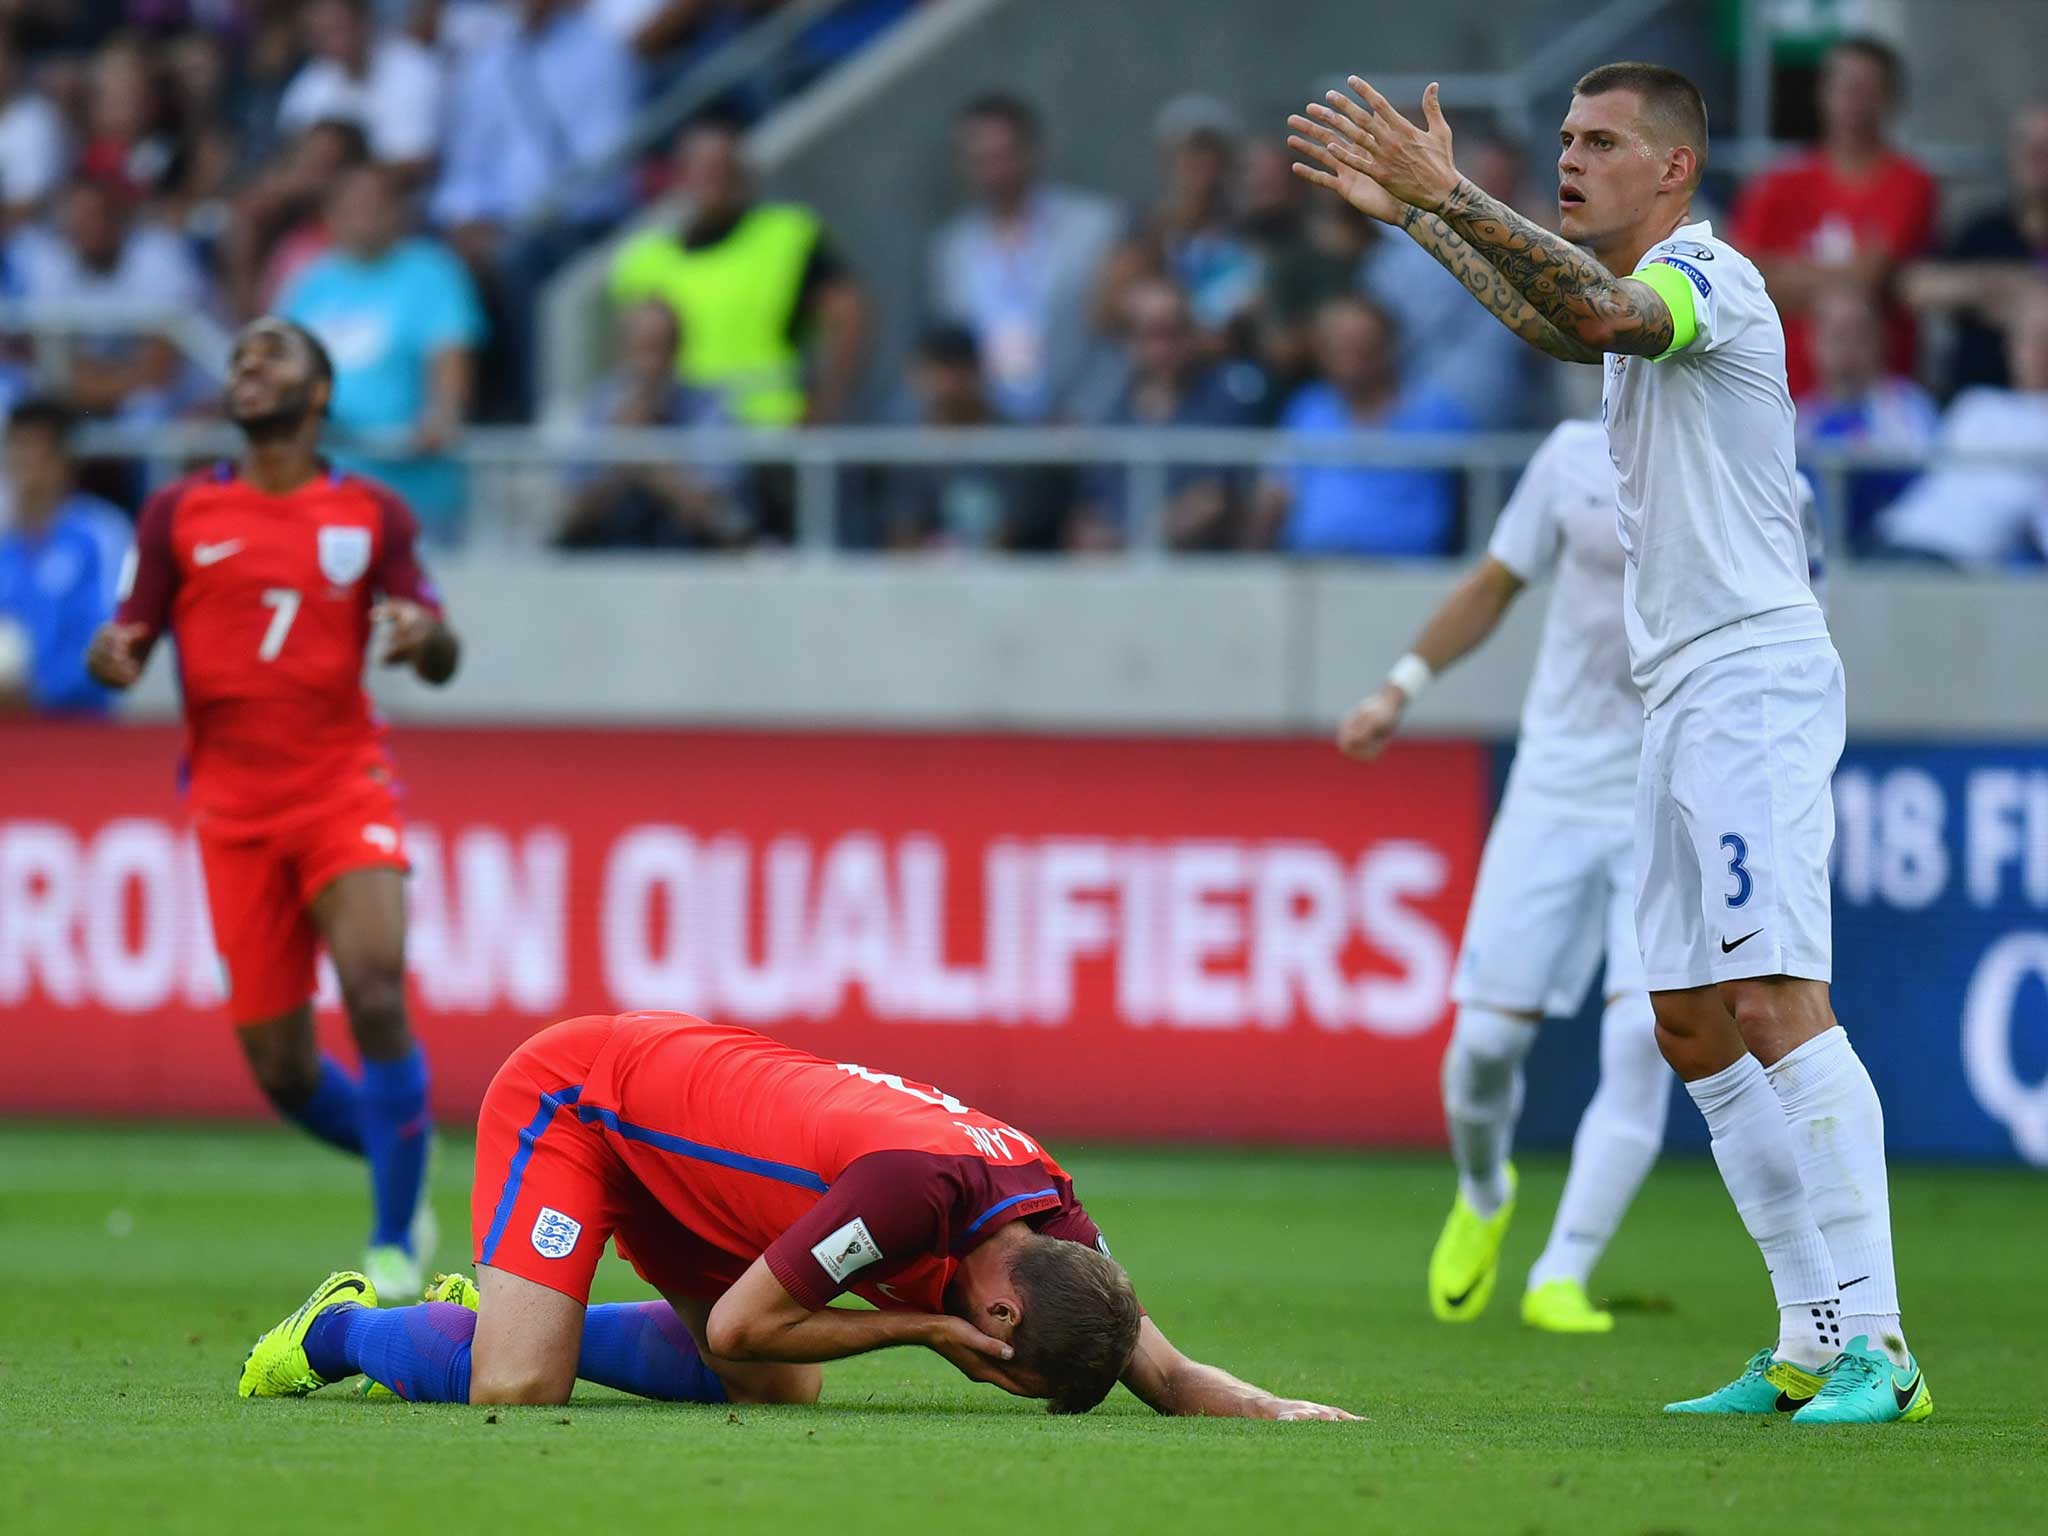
1091 937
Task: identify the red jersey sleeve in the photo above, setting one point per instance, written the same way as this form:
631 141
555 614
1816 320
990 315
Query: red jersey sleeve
150 579
892 1208
399 572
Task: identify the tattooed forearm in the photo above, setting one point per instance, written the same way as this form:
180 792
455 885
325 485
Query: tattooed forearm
1566 286
1486 285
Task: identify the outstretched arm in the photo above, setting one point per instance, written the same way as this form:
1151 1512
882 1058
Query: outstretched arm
1427 230
1467 615
1168 1381
1564 284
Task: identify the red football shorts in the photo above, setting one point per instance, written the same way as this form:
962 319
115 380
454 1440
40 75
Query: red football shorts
550 1186
260 890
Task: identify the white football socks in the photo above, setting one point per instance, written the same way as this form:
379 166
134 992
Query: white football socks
1618 1140
1753 1147
1837 1129
1482 1080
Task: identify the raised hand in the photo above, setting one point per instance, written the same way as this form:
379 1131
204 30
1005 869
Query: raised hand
1321 168
1412 164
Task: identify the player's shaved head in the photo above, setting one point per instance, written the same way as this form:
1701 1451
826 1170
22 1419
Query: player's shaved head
1673 112
1079 1323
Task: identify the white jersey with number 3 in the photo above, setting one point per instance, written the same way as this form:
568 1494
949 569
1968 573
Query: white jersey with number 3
1709 500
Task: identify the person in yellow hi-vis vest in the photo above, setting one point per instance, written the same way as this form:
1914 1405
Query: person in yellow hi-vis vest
771 317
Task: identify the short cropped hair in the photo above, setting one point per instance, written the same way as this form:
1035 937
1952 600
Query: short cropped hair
43 413
1888 59
1080 1321
1670 101
1005 107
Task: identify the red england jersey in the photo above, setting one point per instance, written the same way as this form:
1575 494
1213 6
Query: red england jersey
1806 209
845 1178
269 598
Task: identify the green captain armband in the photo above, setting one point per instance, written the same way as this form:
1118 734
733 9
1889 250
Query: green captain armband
1674 287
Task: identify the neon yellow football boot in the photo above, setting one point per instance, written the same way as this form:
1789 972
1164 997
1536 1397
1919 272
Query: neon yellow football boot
1466 1260
1562 1306
277 1365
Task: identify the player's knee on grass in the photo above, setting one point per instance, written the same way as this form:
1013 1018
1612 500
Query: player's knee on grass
527 1340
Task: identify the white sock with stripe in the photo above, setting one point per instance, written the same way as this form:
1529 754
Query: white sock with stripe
1753 1148
1837 1130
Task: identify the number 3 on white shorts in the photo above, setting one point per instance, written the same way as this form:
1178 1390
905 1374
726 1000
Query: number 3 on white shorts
1738 850
284 605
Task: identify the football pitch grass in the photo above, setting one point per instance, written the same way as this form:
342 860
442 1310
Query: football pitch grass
137 1264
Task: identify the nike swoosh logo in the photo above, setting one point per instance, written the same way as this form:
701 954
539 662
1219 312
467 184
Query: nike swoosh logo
1847 1283
1728 948
213 554
1904 1396
1788 1404
1459 1300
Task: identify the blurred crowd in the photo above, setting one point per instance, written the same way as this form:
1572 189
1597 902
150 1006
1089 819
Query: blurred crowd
403 176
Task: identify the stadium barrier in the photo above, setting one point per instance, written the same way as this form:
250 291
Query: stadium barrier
1097 937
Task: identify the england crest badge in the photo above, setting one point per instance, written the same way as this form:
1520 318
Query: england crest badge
344 554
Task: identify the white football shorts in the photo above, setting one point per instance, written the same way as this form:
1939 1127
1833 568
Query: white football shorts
1554 893
1735 819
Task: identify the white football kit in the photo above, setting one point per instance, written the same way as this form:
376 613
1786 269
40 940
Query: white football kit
1741 686
1557 882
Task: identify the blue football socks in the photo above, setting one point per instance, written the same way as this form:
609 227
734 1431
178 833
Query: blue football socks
334 1112
395 1132
642 1347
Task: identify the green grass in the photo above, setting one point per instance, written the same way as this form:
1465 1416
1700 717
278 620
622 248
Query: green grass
137 1264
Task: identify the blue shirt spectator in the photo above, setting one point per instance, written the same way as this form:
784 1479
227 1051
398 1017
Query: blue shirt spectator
59 566
1856 404
1170 386
1340 510
535 111
1019 270
400 318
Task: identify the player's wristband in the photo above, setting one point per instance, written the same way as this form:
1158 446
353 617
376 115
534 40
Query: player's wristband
1411 674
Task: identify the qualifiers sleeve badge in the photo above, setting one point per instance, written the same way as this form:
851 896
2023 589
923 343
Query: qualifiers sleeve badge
849 1249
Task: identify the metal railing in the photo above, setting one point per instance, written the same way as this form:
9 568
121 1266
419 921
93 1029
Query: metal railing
520 475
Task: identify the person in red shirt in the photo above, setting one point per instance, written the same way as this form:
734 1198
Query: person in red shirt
750 1184
1848 211
271 575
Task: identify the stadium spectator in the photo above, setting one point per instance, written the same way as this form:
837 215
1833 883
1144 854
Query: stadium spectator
1302 278
125 145
962 505
1996 255
100 259
1341 510
1848 211
399 316
755 287
536 113
1018 269
59 565
1192 235
34 147
655 506
279 222
1172 385
1984 515
379 79
1854 401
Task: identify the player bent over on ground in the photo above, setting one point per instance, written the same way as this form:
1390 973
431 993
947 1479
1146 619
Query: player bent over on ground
1556 888
750 1183
270 574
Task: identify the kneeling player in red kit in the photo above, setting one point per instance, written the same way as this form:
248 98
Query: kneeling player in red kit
749 1183
270 574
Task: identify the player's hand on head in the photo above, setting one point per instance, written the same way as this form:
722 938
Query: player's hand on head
114 656
409 626
976 1355
1366 730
